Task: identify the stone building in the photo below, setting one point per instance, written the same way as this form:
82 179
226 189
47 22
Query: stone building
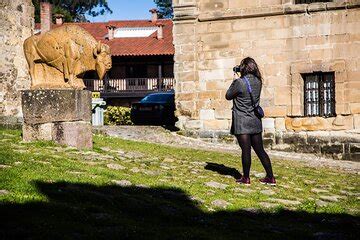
309 58
16 24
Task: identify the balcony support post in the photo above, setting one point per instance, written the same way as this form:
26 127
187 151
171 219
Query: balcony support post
106 82
160 78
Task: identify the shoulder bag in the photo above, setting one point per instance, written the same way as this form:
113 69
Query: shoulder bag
259 112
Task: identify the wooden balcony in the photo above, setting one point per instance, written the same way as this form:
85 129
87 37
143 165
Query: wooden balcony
129 87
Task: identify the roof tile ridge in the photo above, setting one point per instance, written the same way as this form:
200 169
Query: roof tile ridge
131 20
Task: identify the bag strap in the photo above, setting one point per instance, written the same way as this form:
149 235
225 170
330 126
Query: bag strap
249 89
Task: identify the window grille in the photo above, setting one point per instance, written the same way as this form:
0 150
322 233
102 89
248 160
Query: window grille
310 1
319 94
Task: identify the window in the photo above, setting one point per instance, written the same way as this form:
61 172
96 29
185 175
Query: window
319 94
310 1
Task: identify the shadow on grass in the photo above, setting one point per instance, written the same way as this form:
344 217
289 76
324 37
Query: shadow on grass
223 170
84 211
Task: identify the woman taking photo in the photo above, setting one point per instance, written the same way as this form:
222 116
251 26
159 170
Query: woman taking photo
246 118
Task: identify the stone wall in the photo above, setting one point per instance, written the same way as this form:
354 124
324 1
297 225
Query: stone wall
17 24
340 145
285 39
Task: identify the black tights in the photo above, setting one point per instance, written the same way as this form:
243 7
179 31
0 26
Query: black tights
246 141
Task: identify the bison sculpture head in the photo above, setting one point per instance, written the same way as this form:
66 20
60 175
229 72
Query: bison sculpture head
103 59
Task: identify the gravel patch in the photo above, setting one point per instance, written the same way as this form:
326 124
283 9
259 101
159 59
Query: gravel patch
330 198
151 173
115 166
219 203
321 203
75 172
243 190
216 185
259 175
4 192
268 205
197 200
135 170
267 192
122 183
285 201
348 193
169 160
157 134
317 190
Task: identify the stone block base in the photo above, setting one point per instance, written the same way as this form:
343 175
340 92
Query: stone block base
63 116
76 134
44 106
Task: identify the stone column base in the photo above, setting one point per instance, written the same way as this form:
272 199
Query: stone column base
76 134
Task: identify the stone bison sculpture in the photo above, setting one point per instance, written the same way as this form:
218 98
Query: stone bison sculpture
60 58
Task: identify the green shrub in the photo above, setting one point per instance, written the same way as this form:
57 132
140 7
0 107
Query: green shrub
117 116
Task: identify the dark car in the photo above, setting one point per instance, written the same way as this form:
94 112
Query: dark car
155 109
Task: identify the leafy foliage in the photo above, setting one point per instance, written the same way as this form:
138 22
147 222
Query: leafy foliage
74 10
165 8
117 116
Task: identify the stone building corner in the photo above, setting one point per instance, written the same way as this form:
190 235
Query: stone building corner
17 24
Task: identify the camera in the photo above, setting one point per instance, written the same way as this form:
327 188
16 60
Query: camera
236 69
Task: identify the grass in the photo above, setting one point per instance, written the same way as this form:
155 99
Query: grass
135 190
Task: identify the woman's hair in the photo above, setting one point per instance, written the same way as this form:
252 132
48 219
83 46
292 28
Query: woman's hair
249 66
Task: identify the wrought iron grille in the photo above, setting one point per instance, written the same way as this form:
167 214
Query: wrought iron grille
310 1
319 94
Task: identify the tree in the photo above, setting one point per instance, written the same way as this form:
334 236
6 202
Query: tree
165 8
74 10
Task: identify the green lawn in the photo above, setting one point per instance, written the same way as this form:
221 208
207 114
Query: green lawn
130 190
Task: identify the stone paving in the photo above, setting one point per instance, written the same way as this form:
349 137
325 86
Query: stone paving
156 134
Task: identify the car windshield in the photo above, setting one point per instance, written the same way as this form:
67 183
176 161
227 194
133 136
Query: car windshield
157 98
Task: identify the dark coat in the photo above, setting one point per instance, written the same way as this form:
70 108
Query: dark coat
244 120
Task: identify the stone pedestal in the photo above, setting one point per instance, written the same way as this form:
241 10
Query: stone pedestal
63 116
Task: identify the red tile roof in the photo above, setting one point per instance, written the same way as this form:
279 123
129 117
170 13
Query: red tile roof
135 46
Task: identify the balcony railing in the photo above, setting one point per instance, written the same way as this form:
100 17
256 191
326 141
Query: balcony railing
129 85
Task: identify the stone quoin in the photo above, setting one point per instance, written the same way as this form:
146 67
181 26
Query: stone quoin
17 24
